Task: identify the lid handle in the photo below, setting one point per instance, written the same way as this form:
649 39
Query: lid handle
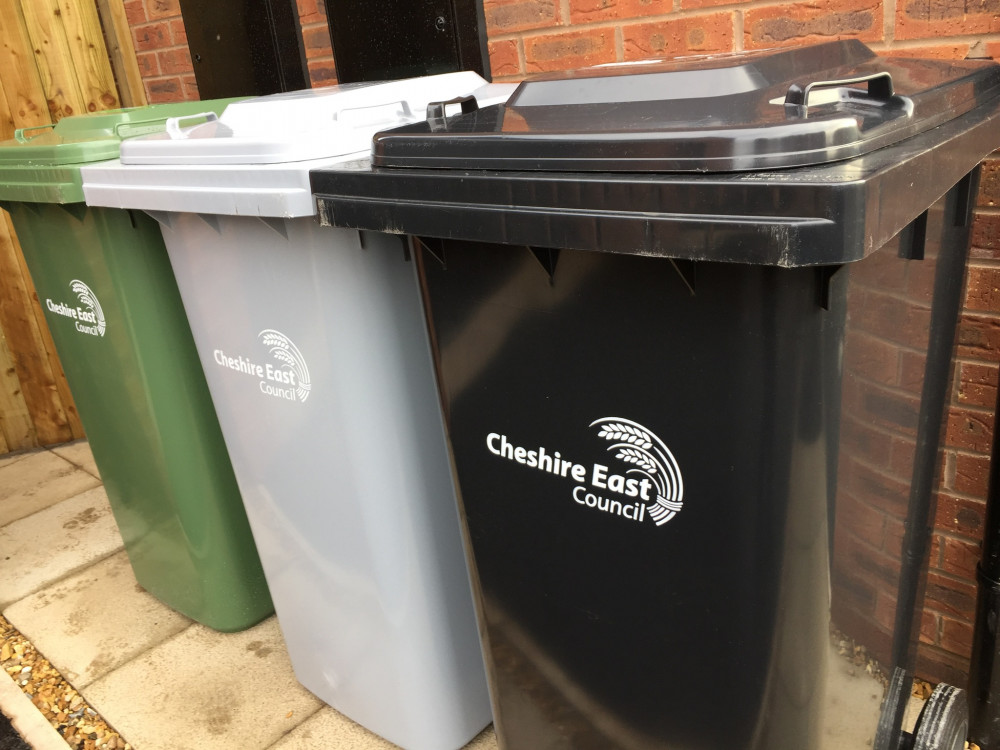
19 134
437 112
375 114
173 126
879 87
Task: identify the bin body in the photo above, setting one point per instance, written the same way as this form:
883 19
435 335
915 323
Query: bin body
104 281
647 373
316 355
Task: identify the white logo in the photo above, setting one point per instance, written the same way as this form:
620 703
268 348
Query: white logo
651 458
288 379
651 484
88 314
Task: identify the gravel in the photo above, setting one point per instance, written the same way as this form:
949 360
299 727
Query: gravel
75 720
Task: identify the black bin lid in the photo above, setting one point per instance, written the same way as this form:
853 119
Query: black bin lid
744 112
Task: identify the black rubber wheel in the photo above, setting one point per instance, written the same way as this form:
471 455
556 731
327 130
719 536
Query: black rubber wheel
899 690
944 720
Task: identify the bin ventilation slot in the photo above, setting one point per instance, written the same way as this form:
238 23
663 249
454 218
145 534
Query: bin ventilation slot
435 247
548 258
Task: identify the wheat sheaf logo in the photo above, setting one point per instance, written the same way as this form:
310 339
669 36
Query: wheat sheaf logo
93 314
647 456
284 351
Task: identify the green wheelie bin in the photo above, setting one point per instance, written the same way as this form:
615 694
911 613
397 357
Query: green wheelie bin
104 281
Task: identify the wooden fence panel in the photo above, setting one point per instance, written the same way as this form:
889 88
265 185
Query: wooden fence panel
54 62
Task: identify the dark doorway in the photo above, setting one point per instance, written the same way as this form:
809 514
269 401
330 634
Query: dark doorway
388 39
245 47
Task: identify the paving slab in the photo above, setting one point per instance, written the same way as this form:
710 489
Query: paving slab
78 453
51 544
95 621
8 458
36 481
328 728
203 689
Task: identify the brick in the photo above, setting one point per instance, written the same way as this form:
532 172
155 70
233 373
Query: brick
311 11
322 73
893 410
135 12
901 458
928 19
679 37
178 34
190 88
989 184
507 16
959 557
972 476
577 49
148 65
977 384
950 597
930 627
982 292
951 51
152 36
893 319
912 369
876 488
689 4
809 23
969 430
859 438
986 235
851 592
956 636
978 337
871 358
161 90
504 59
175 61
160 9
317 42
589 11
920 278
936 665
860 520
894 531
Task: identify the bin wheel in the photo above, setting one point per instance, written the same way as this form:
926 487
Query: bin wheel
944 720
899 688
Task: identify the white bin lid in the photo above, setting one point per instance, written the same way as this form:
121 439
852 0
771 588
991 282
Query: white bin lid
300 125
255 159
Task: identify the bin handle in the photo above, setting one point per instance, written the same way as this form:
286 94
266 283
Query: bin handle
374 114
879 87
173 126
437 112
141 127
19 134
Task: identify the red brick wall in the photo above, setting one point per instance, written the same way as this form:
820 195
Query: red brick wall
528 36
165 61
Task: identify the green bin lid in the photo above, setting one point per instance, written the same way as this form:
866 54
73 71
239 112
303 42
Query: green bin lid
42 164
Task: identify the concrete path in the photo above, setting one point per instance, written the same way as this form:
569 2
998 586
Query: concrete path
166 683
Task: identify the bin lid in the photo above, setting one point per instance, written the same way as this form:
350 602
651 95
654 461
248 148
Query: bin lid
740 112
41 164
301 125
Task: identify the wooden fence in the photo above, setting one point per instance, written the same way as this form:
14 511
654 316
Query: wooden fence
57 58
